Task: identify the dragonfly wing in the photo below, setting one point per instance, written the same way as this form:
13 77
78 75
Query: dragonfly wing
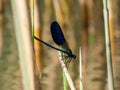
57 33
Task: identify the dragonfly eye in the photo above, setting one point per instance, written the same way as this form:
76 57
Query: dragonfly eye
74 56
69 52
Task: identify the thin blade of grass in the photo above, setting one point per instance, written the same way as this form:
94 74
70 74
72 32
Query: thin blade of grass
80 68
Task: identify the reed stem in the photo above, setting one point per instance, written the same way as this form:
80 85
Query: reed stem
24 42
108 46
66 73
80 68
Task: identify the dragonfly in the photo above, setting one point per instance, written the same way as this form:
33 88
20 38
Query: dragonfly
59 39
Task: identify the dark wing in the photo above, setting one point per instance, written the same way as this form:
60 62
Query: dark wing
57 33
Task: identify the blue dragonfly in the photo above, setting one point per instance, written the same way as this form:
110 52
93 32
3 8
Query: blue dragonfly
59 39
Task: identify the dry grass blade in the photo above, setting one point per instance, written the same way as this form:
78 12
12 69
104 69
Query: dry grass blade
68 77
108 48
36 27
22 30
80 68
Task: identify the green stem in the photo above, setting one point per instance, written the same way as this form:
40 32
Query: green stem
65 84
32 21
105 4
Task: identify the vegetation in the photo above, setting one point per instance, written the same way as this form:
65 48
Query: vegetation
27 64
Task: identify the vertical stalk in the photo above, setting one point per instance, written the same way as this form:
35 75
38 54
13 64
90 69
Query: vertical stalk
108 47
84 31
32 18
25 48
1 27
80 68
36 32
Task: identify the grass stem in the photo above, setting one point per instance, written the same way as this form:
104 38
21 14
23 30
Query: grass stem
66 73
108 46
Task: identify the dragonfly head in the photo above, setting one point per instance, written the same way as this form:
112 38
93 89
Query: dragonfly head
70 55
